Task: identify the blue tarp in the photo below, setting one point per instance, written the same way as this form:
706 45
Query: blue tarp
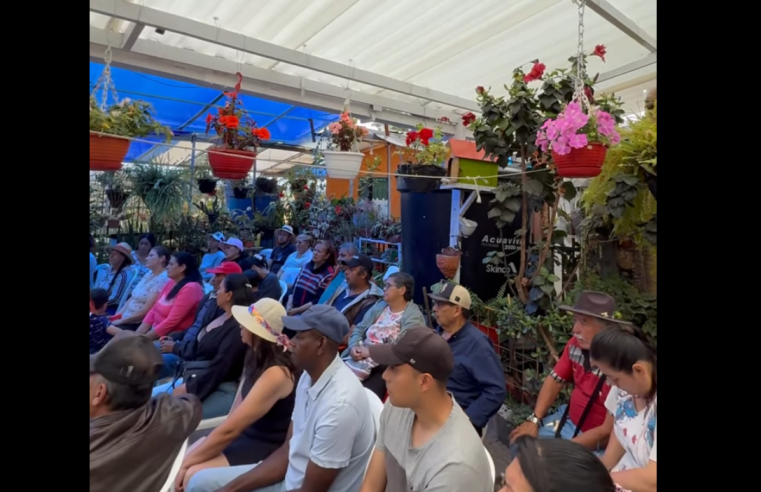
178 105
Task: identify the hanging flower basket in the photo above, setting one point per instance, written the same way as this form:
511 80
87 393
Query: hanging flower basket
342 165
116 198
207 185
107 153
585 162
230 163
419 185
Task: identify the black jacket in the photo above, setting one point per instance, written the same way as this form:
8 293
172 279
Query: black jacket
224 351
207 312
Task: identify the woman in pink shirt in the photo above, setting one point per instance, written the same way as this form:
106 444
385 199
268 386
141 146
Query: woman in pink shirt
176 308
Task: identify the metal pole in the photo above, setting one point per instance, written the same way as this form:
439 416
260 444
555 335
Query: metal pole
192 170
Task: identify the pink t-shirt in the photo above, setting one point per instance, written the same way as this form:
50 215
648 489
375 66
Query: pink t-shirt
176 314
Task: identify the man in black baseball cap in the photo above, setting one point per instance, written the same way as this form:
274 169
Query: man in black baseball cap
257 270
125 420
318 333
425 440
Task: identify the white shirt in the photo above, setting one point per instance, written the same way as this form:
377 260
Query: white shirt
293 265
637 432
333 427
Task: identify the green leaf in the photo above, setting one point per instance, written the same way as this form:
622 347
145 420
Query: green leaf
513 205
539 281
631 180
507 216
494 212
533 187
548 288
486 260
543 272
553 278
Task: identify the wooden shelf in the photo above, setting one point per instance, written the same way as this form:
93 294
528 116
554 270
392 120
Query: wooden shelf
468 187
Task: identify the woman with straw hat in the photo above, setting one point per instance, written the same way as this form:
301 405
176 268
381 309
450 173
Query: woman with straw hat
259 419
114 279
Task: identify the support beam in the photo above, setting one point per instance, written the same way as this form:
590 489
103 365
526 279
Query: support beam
611 14
131 35
121 9
180 64
651 59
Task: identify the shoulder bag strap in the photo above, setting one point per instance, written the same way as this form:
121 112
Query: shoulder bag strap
584 414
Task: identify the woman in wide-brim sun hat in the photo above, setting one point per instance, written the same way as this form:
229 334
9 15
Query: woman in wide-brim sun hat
268 390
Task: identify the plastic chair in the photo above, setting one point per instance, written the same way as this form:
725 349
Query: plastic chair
283 289
266 253
215 422
131 276
391 270
376 407
101 269
491 466
169 485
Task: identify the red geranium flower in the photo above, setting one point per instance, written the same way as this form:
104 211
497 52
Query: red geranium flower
306 187
282 194
468 118
600 51
425 135
411 137
338 210
480 89
307 205
536 72
444 119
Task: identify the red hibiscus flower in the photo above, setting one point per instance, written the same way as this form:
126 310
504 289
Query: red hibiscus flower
468 118
536 72
411 137
425 135
600 51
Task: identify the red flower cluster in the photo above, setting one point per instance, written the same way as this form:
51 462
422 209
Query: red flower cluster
480 89
424 135
468 118
338 210
600 51
444 119
536 72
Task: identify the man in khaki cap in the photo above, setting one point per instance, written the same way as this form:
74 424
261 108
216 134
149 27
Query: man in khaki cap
477 381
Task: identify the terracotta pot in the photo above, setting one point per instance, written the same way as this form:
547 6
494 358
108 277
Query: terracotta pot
231 164
113 223
448 265
581 163
107 153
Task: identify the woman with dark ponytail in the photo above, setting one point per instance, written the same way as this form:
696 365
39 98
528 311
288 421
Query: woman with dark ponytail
630 363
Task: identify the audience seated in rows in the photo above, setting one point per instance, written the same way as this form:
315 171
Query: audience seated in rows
284 247
100 331
477 381
629 361
174 350
266 283
593 312
145 243
311 281
145 294
296 260
177 304
213 257
134 438
383 323
259 420
215 359
554 465
93 262
345 252
332 431
115 278
425 441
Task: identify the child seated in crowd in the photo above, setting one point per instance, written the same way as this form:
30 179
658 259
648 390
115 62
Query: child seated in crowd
100 331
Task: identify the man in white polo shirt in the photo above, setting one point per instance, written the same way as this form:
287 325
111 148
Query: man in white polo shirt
332 430
425 441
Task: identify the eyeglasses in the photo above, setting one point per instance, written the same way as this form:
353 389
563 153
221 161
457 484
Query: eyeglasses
388 286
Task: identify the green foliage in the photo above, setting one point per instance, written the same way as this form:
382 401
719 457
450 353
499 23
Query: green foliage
162 188
505 204
127 119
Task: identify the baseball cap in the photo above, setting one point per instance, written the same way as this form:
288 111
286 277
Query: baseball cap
359 260
453 293
218 236
420 347
326 319
226 268
128 359
234 241
263 318
256 260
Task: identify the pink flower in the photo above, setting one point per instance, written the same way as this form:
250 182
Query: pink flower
606 124
578 141
334 128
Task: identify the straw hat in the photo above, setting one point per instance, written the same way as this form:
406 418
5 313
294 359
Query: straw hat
124 249
263 318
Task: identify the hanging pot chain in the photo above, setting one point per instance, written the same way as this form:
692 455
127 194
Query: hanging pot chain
579 94
104 82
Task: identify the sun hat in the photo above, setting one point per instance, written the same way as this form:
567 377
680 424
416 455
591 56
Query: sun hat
264 318
234 241
597 305
285 228
125 249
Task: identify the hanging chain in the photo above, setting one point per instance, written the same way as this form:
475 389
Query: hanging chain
104 82
578 93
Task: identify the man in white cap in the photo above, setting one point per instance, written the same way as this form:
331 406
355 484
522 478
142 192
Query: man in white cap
284 247
233 249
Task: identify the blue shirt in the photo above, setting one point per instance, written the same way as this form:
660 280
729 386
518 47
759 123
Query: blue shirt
93 267
477 380
332 287
210 260
98 335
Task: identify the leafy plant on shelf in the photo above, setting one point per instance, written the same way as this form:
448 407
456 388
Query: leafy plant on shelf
425 146
126 118
235 129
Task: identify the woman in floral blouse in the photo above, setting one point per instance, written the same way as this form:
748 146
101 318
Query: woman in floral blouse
629 361
146 292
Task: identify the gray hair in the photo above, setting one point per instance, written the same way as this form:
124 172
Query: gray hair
350 248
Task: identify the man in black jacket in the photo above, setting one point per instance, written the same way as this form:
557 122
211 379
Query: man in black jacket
258 272
125 421
173 350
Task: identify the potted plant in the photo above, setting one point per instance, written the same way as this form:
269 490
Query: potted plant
265 186
206 182
163 189
112 127
578 139
345 135
116 189
448 262
235 151
424 155
240 188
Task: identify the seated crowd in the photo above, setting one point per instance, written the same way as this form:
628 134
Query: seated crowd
298 378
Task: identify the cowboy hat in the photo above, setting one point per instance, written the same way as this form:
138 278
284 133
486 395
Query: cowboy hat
597 305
